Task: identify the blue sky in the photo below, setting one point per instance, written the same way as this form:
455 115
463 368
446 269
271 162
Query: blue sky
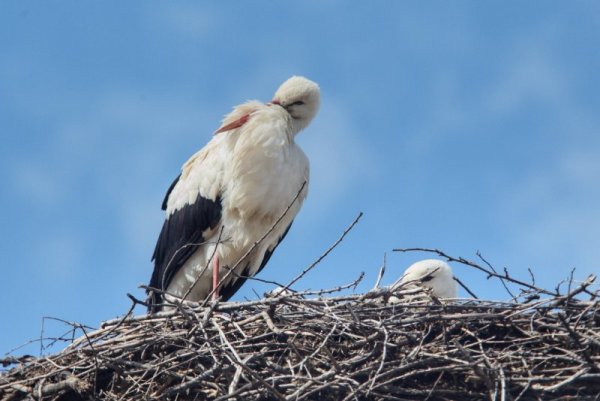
465 126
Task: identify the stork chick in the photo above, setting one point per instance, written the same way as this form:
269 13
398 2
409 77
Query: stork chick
431 273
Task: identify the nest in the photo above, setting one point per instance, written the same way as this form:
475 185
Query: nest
544 344
358 347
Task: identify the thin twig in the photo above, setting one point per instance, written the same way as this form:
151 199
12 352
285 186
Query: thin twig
324 255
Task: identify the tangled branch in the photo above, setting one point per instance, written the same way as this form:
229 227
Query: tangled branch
310 345
337 348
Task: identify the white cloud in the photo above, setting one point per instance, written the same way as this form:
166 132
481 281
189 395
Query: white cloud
554 215
531 77
37 184
551 213
60 255
533 73
450 115
340 156
194 20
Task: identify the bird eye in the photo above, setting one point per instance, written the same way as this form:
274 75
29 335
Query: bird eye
427 278
298 103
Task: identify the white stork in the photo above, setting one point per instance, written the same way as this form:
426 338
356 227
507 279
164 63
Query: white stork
231 194
431 273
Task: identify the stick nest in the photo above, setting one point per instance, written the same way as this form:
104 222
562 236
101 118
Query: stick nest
357 347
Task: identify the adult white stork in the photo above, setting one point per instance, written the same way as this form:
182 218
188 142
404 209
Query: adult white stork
231 194
431 273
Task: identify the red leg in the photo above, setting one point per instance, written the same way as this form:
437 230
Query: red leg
215 277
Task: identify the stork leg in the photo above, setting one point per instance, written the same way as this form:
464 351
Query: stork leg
215 277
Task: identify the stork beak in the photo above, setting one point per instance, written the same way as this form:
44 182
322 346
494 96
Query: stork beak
275 101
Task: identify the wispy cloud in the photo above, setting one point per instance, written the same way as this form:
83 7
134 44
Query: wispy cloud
340 156
36 185
532 75
553 214
191 19
61 255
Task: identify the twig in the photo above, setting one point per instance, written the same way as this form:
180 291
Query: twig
324 255
381 272
480 256
471 293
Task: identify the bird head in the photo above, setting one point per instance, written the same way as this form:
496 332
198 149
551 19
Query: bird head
300 97
434 274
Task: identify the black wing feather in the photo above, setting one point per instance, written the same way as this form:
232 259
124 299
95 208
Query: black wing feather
179 238
234 285
166 199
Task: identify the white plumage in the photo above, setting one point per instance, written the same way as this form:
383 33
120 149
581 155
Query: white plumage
431 273
235 189
279 291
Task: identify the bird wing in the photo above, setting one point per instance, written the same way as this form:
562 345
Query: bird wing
193 205
166 199
180 237
234 285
